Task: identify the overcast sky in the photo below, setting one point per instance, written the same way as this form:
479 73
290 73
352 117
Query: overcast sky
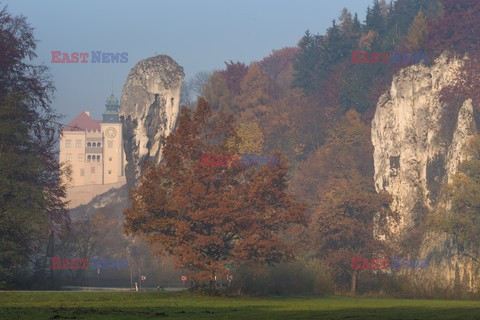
199 34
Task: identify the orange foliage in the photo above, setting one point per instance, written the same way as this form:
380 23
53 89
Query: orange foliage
207 217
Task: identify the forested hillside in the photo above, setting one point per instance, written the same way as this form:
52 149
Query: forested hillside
312 105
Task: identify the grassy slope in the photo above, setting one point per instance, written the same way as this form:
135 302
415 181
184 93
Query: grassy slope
158 305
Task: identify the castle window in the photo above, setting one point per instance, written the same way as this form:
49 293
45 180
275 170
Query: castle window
80 157
69 157
89 144
98 158
79 144
89 158
99 144
94 144
68 143
109 158
109 171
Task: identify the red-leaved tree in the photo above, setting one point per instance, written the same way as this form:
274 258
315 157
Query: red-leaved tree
207 217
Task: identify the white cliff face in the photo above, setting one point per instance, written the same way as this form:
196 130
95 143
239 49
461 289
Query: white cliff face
419 141
149 110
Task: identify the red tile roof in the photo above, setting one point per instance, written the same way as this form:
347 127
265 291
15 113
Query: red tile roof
83 122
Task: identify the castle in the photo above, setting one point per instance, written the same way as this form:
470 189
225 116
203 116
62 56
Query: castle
94 148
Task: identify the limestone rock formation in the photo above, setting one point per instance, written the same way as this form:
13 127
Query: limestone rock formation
418 143
149 109
417 140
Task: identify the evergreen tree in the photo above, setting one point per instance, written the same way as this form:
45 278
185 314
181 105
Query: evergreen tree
357 26
337 47
21 199
374 19
307 63
31 190
404 11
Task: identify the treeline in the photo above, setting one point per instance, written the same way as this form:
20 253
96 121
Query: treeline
312 106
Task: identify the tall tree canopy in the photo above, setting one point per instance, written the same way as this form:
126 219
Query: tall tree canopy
457 29
205 216
31 189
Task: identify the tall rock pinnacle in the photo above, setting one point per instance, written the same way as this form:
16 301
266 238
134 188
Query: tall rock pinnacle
149 110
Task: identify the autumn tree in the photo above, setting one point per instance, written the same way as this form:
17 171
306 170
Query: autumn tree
401 15
278 62
234 74
417 33
217 94
269 111
248 138
453 32
208 216
346 21
255 94
458 214
348 215
456 30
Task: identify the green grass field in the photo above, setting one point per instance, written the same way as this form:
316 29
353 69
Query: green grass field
160 305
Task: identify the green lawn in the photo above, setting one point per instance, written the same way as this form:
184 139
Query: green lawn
182 305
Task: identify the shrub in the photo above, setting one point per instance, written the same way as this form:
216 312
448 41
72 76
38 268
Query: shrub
298 277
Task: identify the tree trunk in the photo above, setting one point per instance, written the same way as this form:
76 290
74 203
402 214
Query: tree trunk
354 282
212 280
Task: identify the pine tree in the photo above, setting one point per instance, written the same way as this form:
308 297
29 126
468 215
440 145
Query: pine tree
357 26
307 63
375 20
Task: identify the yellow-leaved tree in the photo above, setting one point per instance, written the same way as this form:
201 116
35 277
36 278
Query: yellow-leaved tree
248 138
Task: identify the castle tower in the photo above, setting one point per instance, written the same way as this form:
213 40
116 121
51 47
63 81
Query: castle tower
113 155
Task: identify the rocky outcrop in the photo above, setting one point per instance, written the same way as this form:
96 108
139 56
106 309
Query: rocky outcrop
113 202
149 109
81 195
418 143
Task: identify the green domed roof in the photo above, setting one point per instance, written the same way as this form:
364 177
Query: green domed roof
112 101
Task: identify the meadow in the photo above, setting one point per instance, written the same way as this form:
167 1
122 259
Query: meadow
183 305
